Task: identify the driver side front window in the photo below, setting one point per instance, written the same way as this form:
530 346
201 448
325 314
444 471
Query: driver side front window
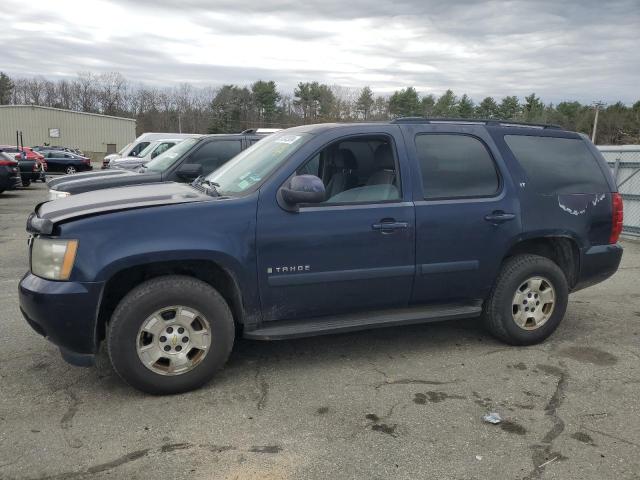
361 169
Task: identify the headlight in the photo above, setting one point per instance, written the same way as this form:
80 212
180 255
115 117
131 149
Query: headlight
55 194
53 259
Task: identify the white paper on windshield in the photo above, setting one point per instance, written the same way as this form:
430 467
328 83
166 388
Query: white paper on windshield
288 139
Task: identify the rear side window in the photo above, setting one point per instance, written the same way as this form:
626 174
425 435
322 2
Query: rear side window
455 166
557 165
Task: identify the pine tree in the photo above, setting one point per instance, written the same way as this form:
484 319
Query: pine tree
365 102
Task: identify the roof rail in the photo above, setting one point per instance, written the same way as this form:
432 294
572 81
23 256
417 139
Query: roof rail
475 121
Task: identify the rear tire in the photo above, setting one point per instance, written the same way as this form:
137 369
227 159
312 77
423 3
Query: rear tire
530 282
70 170
157 298
26 183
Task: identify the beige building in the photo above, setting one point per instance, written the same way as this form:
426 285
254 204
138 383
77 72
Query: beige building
96 135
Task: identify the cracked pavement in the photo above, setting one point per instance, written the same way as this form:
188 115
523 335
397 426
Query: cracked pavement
401 403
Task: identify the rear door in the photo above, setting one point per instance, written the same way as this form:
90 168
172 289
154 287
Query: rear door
466 211
55 161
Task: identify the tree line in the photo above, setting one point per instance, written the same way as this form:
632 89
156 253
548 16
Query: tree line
233 108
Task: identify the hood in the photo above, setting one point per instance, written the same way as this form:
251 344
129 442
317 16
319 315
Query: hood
47 214
81 177
125 178
112 156
127 162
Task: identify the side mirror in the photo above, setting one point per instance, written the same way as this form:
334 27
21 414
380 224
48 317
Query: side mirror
189 171
303 189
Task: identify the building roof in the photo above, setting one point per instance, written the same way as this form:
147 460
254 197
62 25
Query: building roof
68 111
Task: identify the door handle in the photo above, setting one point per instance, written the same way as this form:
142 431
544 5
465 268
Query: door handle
499 217
389 226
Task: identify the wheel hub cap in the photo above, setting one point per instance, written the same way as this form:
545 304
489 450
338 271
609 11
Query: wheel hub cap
174 340
533 303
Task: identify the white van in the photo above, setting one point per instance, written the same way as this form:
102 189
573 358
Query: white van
155 148
134 148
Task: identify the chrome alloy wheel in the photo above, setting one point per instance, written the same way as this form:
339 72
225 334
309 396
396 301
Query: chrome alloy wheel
533 303
173 340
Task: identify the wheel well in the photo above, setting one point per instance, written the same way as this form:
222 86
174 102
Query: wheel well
124 281
560 250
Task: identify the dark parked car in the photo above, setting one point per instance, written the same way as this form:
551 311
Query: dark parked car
31 164
59 161
9 173
183 163
324 229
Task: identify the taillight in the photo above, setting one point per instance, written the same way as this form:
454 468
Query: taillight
86 160
7 163
616 217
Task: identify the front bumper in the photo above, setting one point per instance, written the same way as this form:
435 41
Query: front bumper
64 312
597 264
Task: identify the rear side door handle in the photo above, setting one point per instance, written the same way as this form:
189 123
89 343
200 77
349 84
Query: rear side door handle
499 217
389 226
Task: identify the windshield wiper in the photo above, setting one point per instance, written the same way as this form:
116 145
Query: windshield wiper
210 188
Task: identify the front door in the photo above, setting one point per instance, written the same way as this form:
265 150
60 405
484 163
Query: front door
353 252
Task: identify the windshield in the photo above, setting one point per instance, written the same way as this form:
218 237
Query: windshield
166 159
124 149
256 162
147 149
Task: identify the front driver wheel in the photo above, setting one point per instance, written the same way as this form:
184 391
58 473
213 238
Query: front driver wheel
170 335
528 300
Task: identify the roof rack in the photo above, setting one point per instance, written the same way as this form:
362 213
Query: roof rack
475 121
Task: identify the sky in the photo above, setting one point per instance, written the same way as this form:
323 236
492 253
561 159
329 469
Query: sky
562 50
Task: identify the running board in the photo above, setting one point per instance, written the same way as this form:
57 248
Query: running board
279 330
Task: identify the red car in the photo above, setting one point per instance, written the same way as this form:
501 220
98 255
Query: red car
25 155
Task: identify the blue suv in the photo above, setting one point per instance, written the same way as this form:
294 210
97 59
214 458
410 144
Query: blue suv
325 229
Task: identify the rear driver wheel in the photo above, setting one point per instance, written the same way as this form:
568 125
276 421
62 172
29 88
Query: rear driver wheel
170 335
70 170
528 300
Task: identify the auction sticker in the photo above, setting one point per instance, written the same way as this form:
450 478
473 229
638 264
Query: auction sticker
288 139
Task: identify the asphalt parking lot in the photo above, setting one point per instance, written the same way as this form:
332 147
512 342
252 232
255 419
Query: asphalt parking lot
401 403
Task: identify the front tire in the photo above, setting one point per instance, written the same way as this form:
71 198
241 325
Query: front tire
70 170
170 335
528 300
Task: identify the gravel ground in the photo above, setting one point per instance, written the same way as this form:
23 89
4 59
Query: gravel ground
402 403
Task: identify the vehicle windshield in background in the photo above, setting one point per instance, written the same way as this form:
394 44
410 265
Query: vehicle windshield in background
124 149
147 149
257 162
166 159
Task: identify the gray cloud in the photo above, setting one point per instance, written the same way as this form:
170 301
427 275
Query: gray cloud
582 50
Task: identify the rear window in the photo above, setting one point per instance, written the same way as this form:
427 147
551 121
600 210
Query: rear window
557 165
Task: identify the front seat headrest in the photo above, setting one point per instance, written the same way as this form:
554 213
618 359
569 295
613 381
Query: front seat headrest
345 160
383 157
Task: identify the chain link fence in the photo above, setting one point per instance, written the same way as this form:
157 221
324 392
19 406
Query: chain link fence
624 162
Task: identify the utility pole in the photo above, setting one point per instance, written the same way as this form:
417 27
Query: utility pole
599 104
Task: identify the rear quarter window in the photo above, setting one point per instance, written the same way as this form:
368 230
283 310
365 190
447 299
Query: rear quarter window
557 165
